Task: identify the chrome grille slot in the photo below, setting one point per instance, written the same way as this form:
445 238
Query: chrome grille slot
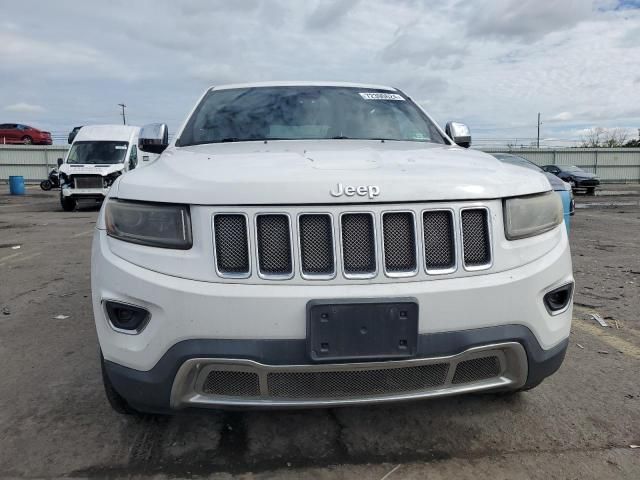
317 256
274 246
231 245
439 240
399 243
475 238
88 181
358 245
477 369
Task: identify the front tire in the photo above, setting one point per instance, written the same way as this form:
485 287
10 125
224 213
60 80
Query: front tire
46 185
117 401
591 191
68 204
27 140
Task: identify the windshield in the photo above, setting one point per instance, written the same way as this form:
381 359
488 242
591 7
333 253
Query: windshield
521 162
97 152
573 168
304 113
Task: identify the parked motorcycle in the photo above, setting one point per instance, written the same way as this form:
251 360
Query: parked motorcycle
52 182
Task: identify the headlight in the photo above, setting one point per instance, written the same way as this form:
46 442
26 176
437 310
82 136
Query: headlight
109 179
531 215
154 224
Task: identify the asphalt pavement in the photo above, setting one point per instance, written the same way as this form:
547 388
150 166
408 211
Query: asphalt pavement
55 421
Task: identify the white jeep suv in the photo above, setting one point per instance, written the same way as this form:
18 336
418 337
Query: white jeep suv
316 244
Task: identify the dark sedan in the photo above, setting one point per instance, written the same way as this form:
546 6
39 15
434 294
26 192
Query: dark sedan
575 176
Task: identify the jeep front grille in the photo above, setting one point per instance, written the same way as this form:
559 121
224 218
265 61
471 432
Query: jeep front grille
353 243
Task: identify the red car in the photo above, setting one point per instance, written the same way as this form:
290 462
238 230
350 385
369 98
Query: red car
18 133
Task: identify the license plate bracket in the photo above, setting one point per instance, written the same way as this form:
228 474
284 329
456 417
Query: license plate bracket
368 329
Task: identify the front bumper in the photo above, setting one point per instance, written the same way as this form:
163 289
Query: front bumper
586 183
448 363
199 326
98 193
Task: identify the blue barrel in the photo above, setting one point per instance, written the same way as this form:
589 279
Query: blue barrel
16 185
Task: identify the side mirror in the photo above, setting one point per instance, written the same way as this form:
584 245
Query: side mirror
459 133
60 162
154 138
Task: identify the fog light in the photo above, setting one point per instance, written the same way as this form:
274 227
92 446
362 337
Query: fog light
557 300
126 318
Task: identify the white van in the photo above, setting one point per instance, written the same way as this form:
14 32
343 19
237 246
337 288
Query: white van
98 155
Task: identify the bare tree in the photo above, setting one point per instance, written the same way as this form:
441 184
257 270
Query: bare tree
616 137
592 138
604 137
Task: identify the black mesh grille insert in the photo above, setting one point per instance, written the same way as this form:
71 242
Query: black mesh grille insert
399 242
88 181
358 243
477 369
475 237
232 247
274 244
316 244
439 245
354 383
229 383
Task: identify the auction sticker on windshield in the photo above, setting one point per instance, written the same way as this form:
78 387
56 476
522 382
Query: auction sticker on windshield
381 96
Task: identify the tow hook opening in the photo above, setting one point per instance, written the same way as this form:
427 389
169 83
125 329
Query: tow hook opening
557 300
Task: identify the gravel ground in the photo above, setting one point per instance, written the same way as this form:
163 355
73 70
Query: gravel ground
54 419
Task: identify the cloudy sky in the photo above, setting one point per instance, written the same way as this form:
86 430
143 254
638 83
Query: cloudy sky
492 64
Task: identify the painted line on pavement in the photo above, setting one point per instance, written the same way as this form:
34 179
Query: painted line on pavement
82 234
606 335
10 256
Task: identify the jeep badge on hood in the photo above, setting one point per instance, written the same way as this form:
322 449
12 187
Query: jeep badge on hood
361 190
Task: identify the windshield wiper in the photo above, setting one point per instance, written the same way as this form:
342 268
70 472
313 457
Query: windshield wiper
229 139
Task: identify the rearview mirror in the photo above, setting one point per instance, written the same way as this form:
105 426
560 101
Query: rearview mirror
60 162
154 138
459 133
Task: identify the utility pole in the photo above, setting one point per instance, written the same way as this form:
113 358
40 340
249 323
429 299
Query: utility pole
124 118
538 142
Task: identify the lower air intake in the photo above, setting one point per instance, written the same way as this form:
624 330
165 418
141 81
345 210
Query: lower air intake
227 383
354 383
477 369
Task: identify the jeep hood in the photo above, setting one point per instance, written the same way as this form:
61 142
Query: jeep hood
304 172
